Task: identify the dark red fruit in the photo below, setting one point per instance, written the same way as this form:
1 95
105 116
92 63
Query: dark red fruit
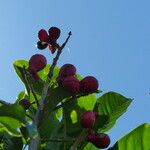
88 84
71 84
60 80
91 136
54 33
41 45
37 62
34 74
25 103
43 36
101 140
67 70
88 119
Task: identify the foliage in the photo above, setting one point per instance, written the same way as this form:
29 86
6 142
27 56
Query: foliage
59 123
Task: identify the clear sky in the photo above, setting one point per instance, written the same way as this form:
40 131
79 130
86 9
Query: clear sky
111 41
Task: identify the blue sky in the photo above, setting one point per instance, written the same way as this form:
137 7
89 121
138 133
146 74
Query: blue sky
111 41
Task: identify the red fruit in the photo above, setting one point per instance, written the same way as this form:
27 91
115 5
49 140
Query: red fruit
43 36
88 119
34 74
91 136
41 45
101 140
60 80
67 70
54 33
37 62
89 84
25 103
71 84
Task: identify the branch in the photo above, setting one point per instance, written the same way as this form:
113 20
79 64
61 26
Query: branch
46 85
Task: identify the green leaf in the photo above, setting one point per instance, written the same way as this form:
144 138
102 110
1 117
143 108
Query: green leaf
49 125
113 105
57 133
11 143
90 146
10 125
87 102
138 139
11 118
13 111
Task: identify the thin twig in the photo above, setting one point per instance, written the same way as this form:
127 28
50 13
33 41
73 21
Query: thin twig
30 85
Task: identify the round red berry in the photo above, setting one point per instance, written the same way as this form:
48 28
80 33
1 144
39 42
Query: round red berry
41 45
88 119
37 62
67 70
101 140
88 84
43 35
71 84
54 33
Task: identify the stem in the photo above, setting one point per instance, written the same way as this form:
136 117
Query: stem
34 142
46 85
30 85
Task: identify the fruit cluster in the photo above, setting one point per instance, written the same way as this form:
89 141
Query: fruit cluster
67 79
48 39
100 140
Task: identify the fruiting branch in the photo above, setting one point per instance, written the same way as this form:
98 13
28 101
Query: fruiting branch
46 85
34 142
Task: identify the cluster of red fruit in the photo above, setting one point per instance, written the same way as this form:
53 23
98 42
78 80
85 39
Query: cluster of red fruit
48 39
67 79
100 140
